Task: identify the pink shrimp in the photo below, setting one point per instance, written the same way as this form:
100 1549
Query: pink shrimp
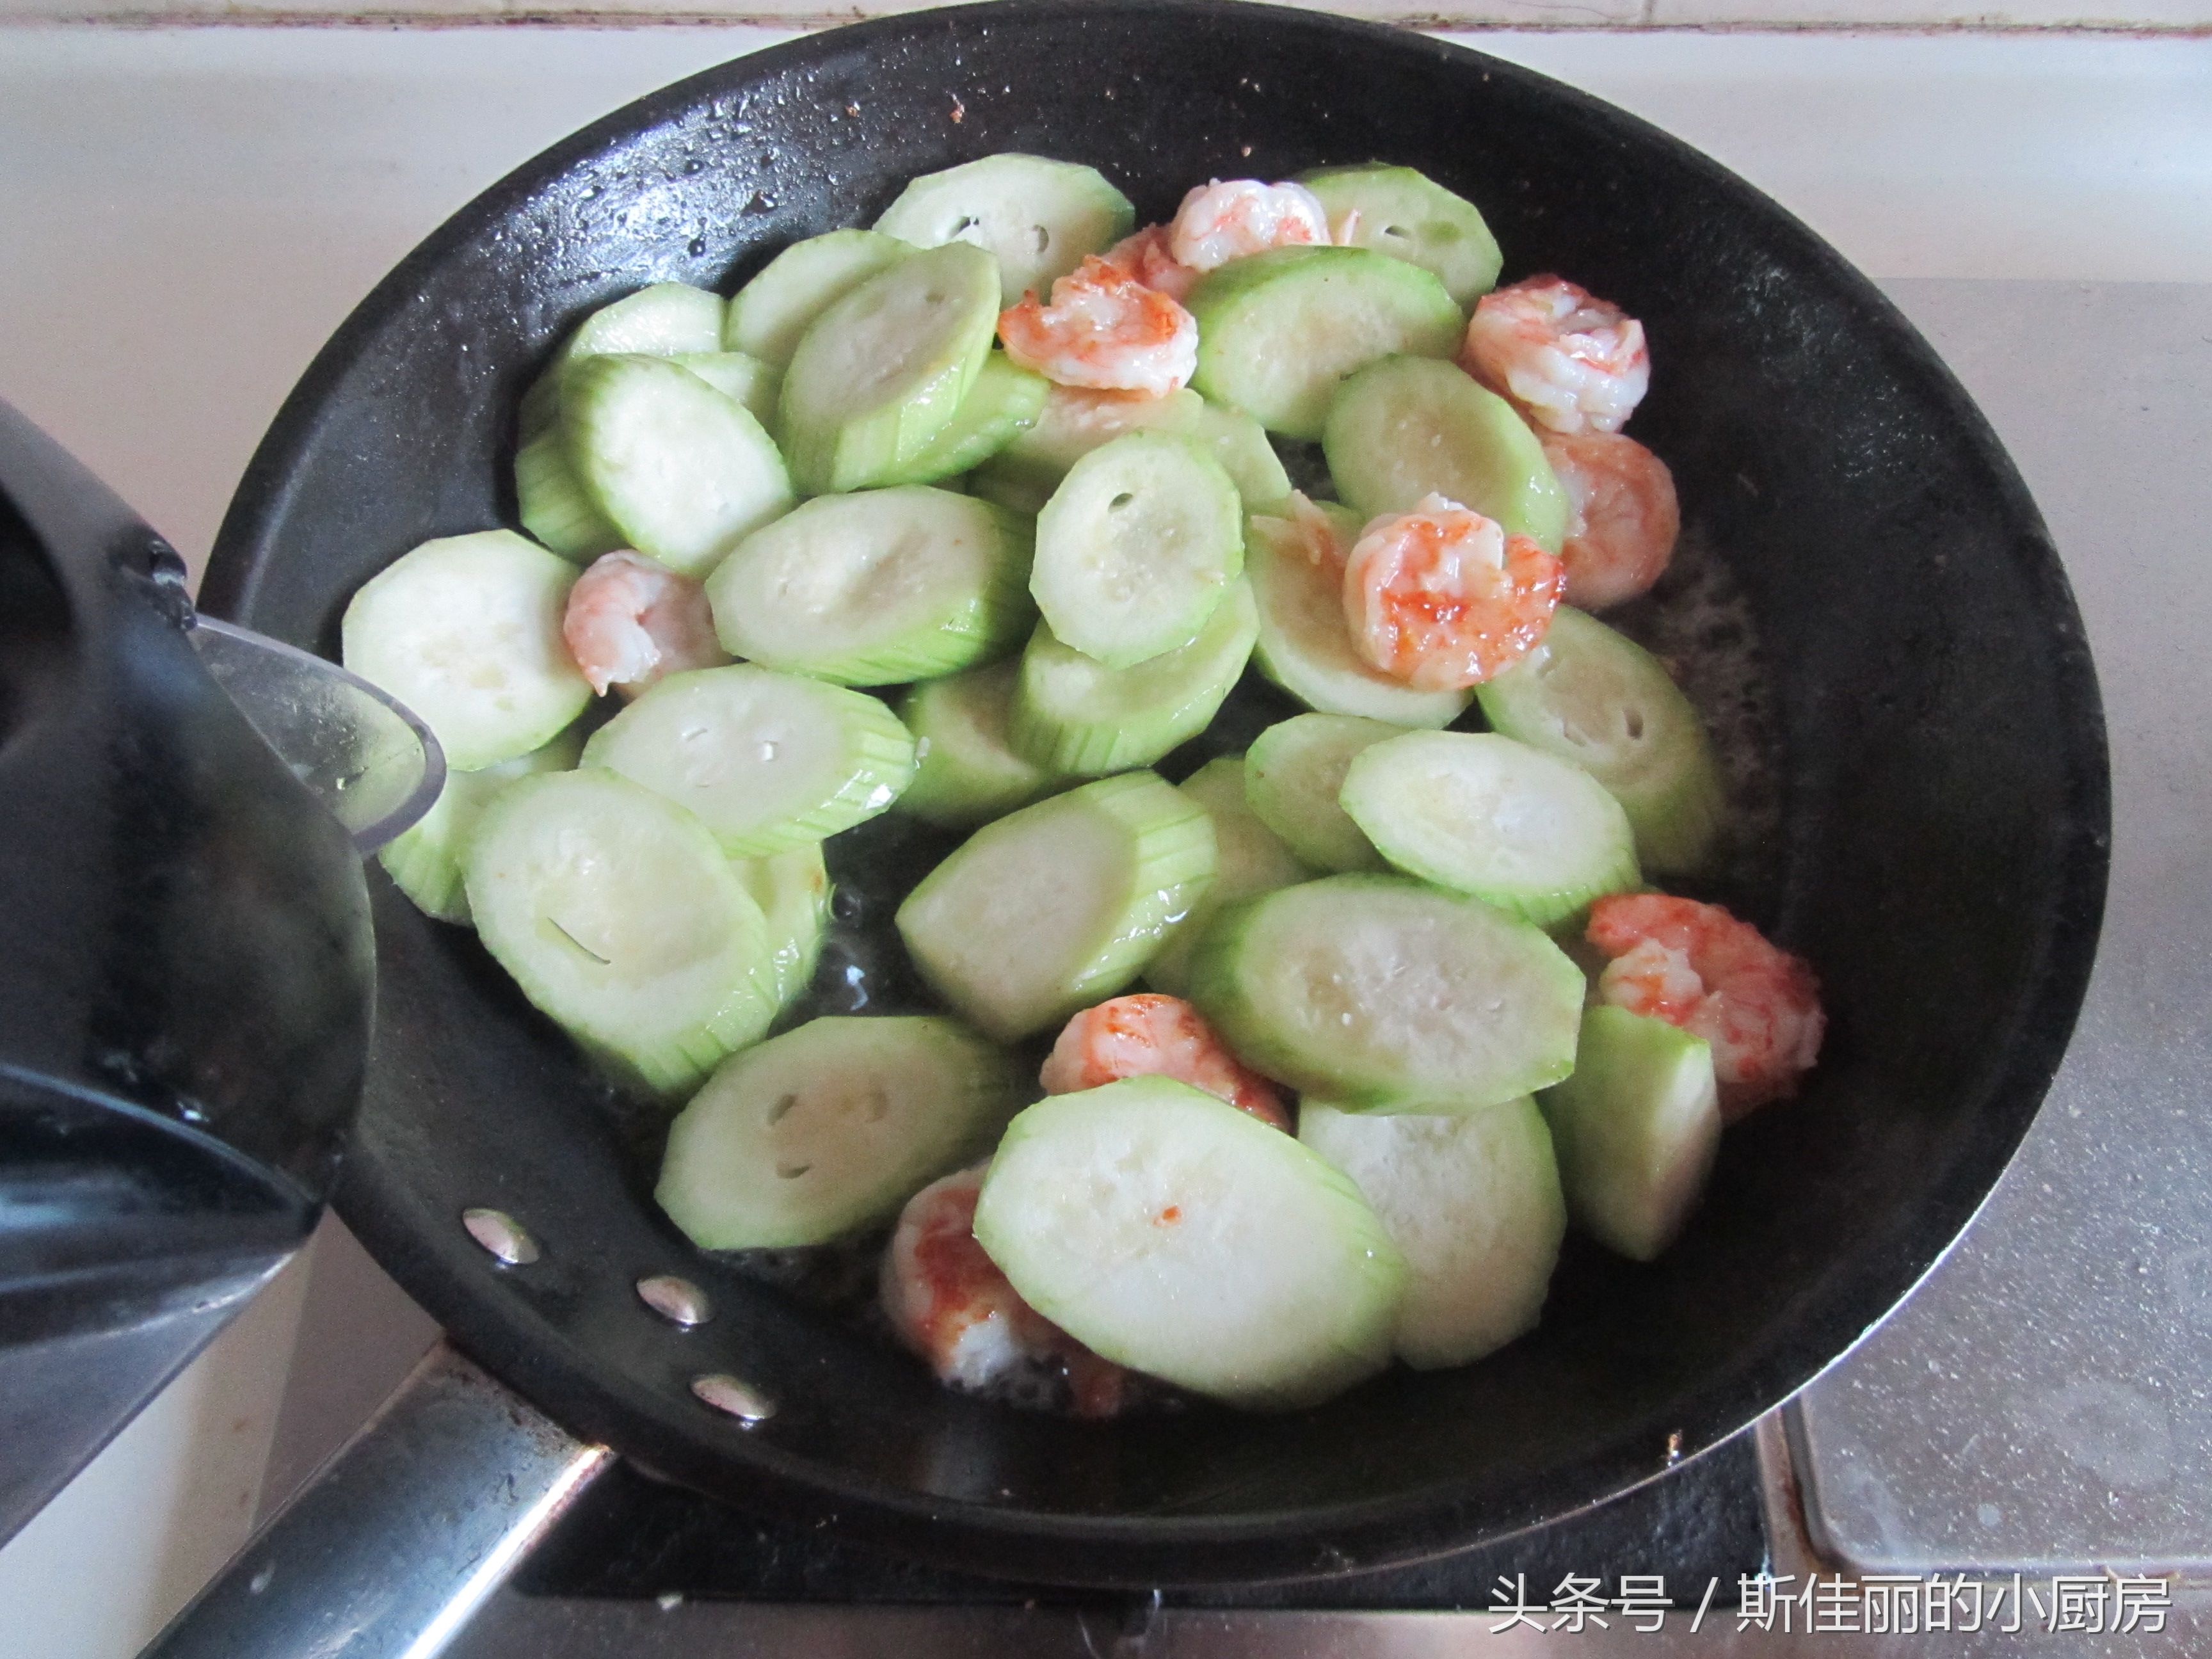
1104 329
1625 516
1442 597
1230 219
949 1303
631 620
1313 533
1152 1036
1696 966
1145 257
1566 360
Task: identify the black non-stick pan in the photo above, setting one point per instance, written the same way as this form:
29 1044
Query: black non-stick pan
1937 848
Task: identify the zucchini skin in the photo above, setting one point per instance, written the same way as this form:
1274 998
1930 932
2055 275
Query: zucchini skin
1077 717
1159 857
1637 1128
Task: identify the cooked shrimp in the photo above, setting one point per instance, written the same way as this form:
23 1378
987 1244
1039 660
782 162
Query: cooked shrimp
631 620
1696 966
951 1304
1104 329
1626 517
1307 528
1145 256
1442 597
1230 218
1568 360
1151 1036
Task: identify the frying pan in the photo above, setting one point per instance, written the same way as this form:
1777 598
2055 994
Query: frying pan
1937 851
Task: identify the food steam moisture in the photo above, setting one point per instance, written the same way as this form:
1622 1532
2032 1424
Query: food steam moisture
1057 562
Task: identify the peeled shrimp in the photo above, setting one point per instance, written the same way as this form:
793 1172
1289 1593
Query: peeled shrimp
1151 1036
1312 533
1145 256
1104 329
1229 219
1696 966
1568 360
1626 517
631 620
951 1304
1442 597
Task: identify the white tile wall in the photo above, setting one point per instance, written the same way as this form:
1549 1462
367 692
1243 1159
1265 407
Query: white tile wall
1920 13
2024 155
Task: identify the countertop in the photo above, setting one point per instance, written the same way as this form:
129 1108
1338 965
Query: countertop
191 212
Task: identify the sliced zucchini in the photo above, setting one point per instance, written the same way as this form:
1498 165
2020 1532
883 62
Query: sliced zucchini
1481 814
681 470
1591 696
1004 402
1074 422
1410 216
880 373
426 862
466 630
825 1131
619 916
1292 776
1637 1126
1378 993
1305 644
1061 904
1075 716
769 313
1185 1239
737 375
1473 1201
553 505
792 890
877 588
1136 548
667 319
1037 218
659 321
969 772
767 761
1249 858
1410 427
539 411
1279 330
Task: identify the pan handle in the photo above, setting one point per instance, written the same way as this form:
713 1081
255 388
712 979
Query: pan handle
398 1539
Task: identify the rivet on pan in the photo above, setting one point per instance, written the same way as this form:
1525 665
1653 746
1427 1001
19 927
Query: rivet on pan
739 1400
678 1301
503 1235
1673 1447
